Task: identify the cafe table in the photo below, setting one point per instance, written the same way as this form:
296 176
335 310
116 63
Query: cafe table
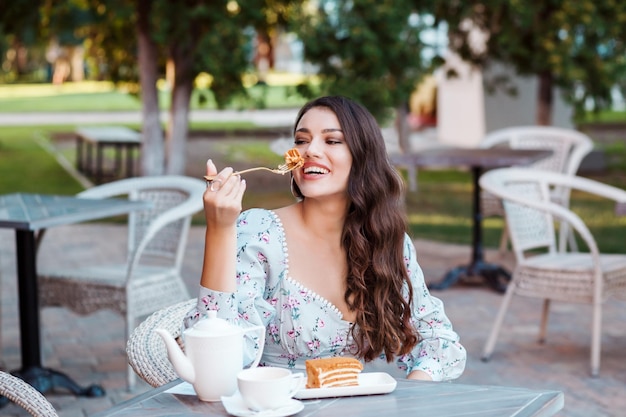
478 160
29 214
409 398
120 138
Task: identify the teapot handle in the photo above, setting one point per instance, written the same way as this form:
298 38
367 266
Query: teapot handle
259 353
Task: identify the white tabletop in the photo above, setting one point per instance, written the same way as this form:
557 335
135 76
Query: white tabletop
109 134
27 211
410 398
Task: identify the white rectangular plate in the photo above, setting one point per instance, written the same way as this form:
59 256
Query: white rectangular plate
369 383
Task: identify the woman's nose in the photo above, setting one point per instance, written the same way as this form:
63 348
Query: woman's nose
313 149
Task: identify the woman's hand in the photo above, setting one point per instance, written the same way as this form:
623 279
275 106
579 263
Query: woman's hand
223 197
222 205
420 375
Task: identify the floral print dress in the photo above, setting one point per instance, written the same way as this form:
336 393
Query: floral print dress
302 325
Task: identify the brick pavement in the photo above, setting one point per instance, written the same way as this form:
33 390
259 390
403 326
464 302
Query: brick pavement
91 350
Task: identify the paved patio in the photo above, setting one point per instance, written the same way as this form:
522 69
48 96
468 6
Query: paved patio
91 350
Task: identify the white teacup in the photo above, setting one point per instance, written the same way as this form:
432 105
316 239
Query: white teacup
268 387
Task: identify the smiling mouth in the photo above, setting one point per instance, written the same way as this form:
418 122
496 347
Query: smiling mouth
315 171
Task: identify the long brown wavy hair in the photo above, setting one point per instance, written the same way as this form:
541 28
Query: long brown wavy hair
379 289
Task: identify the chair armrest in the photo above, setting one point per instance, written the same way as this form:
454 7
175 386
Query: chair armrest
502 175
494 181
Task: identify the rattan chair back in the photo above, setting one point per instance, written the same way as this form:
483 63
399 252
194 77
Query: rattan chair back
569 147
25 396
150 279
146 350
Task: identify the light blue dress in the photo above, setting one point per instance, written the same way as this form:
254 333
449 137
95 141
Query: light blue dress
300 324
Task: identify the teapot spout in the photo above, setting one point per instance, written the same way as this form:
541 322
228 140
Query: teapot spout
182 365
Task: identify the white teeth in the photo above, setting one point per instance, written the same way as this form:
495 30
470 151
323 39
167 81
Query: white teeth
315 170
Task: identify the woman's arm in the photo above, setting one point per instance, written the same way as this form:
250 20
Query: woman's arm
420 375
258 261
439 355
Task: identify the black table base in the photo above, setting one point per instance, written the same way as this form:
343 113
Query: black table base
41 378
45 380
30 215
495 276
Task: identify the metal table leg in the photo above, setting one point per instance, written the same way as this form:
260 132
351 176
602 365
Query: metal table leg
42 379
495 276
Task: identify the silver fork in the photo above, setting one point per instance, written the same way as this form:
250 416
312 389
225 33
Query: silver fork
282 169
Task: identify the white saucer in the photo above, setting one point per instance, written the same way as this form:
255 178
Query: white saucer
235 406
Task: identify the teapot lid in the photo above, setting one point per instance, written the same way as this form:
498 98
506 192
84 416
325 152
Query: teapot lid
215 326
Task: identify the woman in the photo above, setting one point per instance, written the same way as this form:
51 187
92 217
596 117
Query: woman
335 273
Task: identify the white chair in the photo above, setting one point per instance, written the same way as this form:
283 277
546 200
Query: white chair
146 350
150 279
569 148
25 396
541 270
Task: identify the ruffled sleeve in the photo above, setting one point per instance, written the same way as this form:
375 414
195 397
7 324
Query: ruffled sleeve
440 354
260 266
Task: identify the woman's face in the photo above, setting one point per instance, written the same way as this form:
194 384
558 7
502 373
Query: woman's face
327 159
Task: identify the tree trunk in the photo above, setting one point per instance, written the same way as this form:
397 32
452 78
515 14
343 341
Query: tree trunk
152 151
402 127
178 125
169 73
544 99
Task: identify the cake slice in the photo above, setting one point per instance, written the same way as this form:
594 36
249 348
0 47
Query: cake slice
332 372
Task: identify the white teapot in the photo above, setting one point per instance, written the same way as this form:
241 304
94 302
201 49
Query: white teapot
213 355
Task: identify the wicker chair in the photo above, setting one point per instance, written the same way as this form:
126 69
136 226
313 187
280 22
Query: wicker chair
25 396
547 273
569 147
145 349
150 279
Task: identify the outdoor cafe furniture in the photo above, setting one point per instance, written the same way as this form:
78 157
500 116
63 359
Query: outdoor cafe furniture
145 349
123 140
25 396
409 398
542 271
478 160
149 278
27 214
569 147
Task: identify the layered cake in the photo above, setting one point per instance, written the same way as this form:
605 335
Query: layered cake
332 372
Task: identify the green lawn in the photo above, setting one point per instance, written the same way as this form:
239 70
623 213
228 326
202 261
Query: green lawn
104 96
607 116
440 210
26 166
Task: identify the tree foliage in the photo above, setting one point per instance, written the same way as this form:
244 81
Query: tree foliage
147 38
18 29
19 18
577 45
369 50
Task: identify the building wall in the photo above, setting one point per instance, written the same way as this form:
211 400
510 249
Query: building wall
460 104
467 111
503 110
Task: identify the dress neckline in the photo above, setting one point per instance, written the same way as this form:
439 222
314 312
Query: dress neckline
295 282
